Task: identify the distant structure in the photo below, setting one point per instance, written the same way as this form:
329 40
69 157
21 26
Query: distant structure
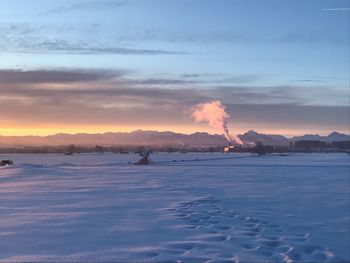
70 150
228 149
99 149
310 145
231 148
260 149
6 162
145 160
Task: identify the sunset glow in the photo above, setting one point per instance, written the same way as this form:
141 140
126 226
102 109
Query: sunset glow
52 130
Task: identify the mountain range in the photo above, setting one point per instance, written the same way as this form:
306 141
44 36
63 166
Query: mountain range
141 137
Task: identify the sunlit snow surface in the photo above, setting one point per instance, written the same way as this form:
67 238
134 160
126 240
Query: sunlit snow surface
100 208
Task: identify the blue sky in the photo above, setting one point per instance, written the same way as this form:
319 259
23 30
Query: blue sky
290 52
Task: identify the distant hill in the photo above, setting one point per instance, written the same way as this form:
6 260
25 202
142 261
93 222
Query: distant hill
138 137
167 138
332 137
266 139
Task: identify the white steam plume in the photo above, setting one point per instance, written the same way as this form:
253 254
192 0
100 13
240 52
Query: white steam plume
214 113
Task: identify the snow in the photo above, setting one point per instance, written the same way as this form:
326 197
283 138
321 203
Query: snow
229 208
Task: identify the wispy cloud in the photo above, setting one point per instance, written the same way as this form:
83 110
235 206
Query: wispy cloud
34 38
337 9
125 77
241 79
311 80
10 76
85 6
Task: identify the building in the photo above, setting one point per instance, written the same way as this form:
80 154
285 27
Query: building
229 149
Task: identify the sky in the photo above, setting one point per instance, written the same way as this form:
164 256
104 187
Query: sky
279 67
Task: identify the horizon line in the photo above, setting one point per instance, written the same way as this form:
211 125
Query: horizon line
164 131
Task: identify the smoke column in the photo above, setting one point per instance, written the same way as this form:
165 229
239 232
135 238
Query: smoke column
214 113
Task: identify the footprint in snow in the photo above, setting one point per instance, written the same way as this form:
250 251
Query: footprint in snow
214 226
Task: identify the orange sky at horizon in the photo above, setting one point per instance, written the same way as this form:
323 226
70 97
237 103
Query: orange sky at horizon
51 130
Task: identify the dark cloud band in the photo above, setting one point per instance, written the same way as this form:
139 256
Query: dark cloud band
97 97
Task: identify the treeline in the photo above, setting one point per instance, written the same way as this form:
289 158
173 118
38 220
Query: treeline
313 145
304 146
74 149
298 146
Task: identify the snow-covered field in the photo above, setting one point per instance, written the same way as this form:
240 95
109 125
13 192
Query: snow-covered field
100 208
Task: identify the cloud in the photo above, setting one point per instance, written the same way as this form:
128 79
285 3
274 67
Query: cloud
114 97
108 95
311 80
290 115
128 83
199 79
162 82
85 6
218 36
38 38
10 76
66 47
100 86
280 94
337 9
241 79
141 107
